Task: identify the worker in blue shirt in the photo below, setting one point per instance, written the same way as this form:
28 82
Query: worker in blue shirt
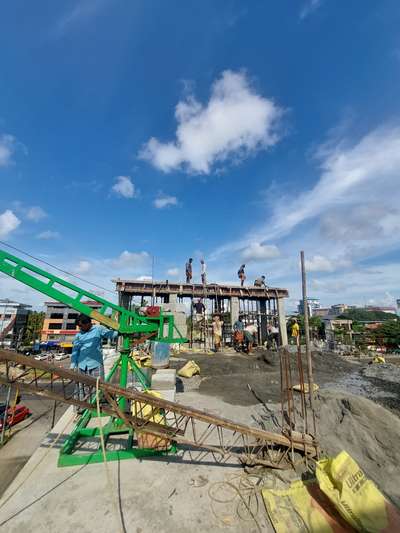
87 353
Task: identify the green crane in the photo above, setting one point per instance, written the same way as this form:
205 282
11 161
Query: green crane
133 327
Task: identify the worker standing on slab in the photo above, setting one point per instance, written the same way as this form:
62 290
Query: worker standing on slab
273 336
217 332
238 334
295 332
203 269
87 353
260 282
250 335
189 270
241 275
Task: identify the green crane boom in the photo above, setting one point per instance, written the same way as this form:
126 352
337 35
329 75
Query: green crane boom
133 327
160 328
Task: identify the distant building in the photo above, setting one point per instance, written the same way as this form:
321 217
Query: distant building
321 312
313 303
339 308
13 319
59 326
338 330
398 307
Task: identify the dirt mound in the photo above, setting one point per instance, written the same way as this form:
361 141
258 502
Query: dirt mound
368 432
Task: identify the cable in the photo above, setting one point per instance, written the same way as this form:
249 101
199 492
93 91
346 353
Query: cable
103 449
56 268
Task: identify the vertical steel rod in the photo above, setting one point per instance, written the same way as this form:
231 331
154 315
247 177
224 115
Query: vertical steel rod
307 338
3 429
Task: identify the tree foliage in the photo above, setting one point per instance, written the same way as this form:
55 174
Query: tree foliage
388 334
365 315
33 327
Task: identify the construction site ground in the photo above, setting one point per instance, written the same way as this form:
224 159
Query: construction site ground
357 410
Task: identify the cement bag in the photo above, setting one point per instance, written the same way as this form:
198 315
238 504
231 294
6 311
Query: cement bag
303 508
190 369
304 388
145 410
146 439
355 496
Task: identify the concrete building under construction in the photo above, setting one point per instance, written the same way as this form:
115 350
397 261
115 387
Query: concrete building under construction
257 305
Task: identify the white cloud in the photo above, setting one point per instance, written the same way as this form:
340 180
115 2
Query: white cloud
163 200
144 278
260 252
8 145
174 272
8 223
309 7
357 183
318 263
35 213
48 234
131 259
83 267
368 172
124 187
83 10
235 123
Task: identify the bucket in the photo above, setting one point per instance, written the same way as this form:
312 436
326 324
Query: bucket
159 354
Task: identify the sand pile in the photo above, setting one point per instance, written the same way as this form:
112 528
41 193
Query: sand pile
385 372
368 432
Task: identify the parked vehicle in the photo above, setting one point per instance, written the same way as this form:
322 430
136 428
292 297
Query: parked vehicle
42 357
14 415
61 356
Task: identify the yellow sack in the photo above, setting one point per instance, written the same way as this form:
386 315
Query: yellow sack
147 411
355 496
190 369
303 507
378 359
305 387
146 439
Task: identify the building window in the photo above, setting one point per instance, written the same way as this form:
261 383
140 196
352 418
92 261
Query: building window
73 316
56 315
71 326
54 325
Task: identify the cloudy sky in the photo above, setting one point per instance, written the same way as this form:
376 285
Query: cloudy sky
137 133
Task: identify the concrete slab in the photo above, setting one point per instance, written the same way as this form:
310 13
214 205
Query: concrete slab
163 495
26 437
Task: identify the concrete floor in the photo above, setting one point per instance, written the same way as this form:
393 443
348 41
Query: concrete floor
26 436
151 495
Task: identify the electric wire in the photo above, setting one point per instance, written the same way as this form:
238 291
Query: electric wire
56 267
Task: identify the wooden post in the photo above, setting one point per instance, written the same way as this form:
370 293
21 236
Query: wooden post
307 338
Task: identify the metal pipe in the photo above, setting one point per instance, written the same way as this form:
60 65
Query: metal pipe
3 429
307 338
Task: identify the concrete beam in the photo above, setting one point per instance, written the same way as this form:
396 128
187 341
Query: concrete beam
197 290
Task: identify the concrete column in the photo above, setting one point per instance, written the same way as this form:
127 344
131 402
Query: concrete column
173 298
124 299
263 324
282 321
234 309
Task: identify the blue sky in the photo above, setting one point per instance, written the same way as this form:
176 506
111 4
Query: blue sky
238 131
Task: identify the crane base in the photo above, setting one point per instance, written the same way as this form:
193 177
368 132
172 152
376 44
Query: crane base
83 445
